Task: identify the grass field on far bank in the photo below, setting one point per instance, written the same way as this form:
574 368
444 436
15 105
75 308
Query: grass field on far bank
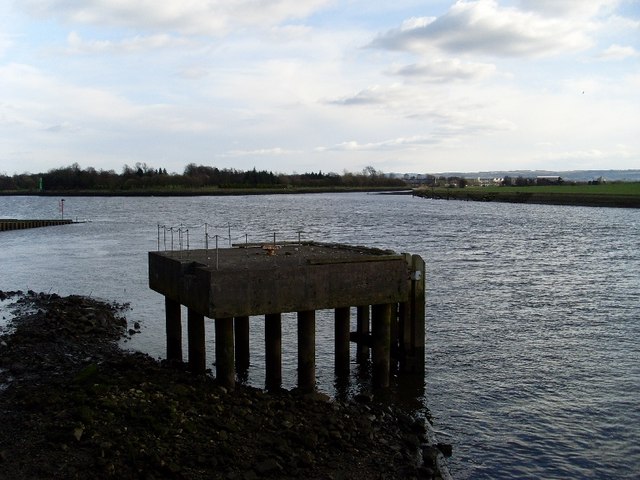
622 194
621 188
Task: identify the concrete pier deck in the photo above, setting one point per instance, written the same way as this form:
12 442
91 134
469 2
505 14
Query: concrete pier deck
231 284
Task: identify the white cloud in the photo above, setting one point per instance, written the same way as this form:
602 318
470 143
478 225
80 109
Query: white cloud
77 45
574 8
483 26
618 52
40 102
262 152
375 95
191 17
5 43
445 70
400 143
587 158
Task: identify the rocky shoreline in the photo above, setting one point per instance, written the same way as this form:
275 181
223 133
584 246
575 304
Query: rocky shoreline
73 405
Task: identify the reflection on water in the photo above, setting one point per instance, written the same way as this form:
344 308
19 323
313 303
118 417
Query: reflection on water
533 350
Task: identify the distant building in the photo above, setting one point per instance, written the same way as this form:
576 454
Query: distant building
548 180
487 182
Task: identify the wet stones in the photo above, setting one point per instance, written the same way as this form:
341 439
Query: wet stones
78 407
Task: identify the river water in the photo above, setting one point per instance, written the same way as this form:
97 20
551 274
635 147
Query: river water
533 315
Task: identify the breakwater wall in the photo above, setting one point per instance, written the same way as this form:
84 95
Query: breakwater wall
13 224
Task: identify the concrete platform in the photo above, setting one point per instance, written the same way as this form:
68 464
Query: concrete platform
231 284
257 280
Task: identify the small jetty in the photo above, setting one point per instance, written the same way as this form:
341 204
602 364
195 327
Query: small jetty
13 224
384 290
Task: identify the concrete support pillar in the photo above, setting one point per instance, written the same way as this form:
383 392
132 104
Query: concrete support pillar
412 318
404 330
395 331
273 350
342 333
362 330
241 336
225 369
195 331
381 336
307 350
173 329
418 313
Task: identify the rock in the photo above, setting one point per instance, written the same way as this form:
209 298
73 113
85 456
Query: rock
411 441
267 466
317 397
429 456
86 373
78 432
306 459
250 475
445 448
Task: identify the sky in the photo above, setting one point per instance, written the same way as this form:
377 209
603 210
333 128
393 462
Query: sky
296 86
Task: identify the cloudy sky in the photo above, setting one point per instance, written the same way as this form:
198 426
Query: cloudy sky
307 85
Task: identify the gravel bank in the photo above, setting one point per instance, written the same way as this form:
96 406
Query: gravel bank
73 405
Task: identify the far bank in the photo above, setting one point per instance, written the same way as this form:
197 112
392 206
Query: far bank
195 192
619 195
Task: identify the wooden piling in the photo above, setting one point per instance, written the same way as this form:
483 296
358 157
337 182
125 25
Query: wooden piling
381 336
342 340
307 350
241 336
174 329
362 331
195 329
273 350
225 370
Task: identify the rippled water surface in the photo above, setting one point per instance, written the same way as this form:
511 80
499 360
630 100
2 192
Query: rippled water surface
533 315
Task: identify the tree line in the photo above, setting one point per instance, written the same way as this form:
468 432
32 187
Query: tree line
144 177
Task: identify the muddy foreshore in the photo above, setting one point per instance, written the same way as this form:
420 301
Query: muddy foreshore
73 405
